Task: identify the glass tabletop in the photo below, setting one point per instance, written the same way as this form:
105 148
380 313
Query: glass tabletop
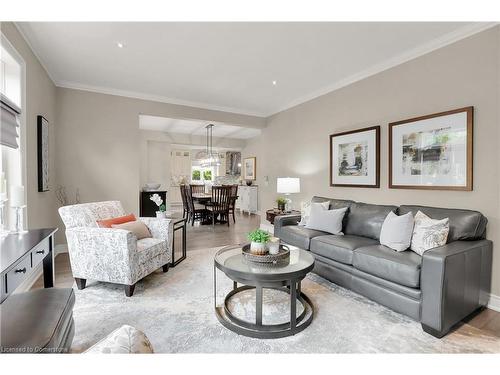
232 259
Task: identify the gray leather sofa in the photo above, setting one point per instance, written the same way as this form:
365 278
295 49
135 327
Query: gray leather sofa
439 289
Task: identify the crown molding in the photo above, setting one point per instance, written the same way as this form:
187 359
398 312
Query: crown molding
412 54
419 51
40 61
154 98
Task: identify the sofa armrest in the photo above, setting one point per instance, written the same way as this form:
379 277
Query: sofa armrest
102 254
159 228
284 220
455 281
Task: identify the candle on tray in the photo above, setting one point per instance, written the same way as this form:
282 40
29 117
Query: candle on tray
274 245
17 196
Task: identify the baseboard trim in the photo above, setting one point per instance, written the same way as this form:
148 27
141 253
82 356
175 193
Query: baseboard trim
59 249
494 303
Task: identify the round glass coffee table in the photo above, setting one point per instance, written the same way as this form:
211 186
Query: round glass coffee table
280 278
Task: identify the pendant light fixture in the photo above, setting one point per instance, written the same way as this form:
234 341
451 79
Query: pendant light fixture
211 158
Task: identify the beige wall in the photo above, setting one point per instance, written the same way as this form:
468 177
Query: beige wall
40 100
156 147
462 74
99 141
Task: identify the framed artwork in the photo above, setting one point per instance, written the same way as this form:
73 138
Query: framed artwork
432 152
355 158
43 153
233 163
249 168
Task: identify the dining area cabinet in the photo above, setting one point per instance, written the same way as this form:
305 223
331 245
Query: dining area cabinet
247 199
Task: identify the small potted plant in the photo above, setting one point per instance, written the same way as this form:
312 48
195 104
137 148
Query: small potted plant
258 242
161 213
281 203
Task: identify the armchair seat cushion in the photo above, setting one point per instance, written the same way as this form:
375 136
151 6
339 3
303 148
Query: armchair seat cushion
148 248
339 248
400 267
299 236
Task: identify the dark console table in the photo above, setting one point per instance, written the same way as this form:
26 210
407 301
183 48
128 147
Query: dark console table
20 254
40 320
148 208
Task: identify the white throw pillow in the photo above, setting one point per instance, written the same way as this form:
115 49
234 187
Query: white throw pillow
397 231
326 220
428 233
306 211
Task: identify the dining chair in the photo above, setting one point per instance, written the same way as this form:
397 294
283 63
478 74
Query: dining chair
232 204
185 207
196 211
221 199
197 189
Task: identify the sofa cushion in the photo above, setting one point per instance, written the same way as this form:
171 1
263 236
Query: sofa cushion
366 219
464 224
339 248
400 267
299 236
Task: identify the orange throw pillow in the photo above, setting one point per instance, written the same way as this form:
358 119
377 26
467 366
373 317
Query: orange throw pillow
116 220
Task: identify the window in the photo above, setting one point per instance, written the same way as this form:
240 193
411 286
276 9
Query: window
201 174
12 146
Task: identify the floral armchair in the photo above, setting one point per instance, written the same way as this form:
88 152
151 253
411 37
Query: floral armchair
113 255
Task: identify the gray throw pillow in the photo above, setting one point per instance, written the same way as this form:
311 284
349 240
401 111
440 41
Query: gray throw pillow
326 220
397 231
306 211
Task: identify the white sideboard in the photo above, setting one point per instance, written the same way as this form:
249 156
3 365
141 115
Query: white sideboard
247 199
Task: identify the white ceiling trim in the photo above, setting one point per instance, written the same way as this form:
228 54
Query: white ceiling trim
35 53
131 94
433 45
424 49
154 98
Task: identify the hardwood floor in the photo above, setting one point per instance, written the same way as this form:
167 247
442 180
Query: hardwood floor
485 322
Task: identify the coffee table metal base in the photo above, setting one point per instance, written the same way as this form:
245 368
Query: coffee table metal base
267 331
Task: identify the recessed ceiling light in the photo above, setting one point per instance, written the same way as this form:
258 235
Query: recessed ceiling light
119 44
274 83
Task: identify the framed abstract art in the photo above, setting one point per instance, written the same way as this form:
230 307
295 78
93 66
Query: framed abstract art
432 152
43 153
355 158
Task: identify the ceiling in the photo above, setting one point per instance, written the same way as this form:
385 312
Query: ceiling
229 66
195 127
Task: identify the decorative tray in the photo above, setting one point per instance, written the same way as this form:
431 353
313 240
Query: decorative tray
283 255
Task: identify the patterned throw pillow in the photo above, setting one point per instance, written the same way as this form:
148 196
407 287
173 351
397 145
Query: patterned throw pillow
428 233
305 211
124 340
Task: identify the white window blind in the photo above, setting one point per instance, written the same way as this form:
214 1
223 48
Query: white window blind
9 122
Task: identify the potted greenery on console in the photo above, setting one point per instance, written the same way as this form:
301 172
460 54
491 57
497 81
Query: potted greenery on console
258 239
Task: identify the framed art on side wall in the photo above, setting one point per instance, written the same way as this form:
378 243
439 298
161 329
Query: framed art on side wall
355 158
43 153
249 168
432 152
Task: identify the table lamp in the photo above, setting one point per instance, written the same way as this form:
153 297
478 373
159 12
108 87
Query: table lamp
287 186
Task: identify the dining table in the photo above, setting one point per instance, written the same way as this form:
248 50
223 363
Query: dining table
205 198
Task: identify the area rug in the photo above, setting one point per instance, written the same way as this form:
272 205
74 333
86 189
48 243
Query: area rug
176 311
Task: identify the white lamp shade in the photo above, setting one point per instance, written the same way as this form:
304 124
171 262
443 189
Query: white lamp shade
288 185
